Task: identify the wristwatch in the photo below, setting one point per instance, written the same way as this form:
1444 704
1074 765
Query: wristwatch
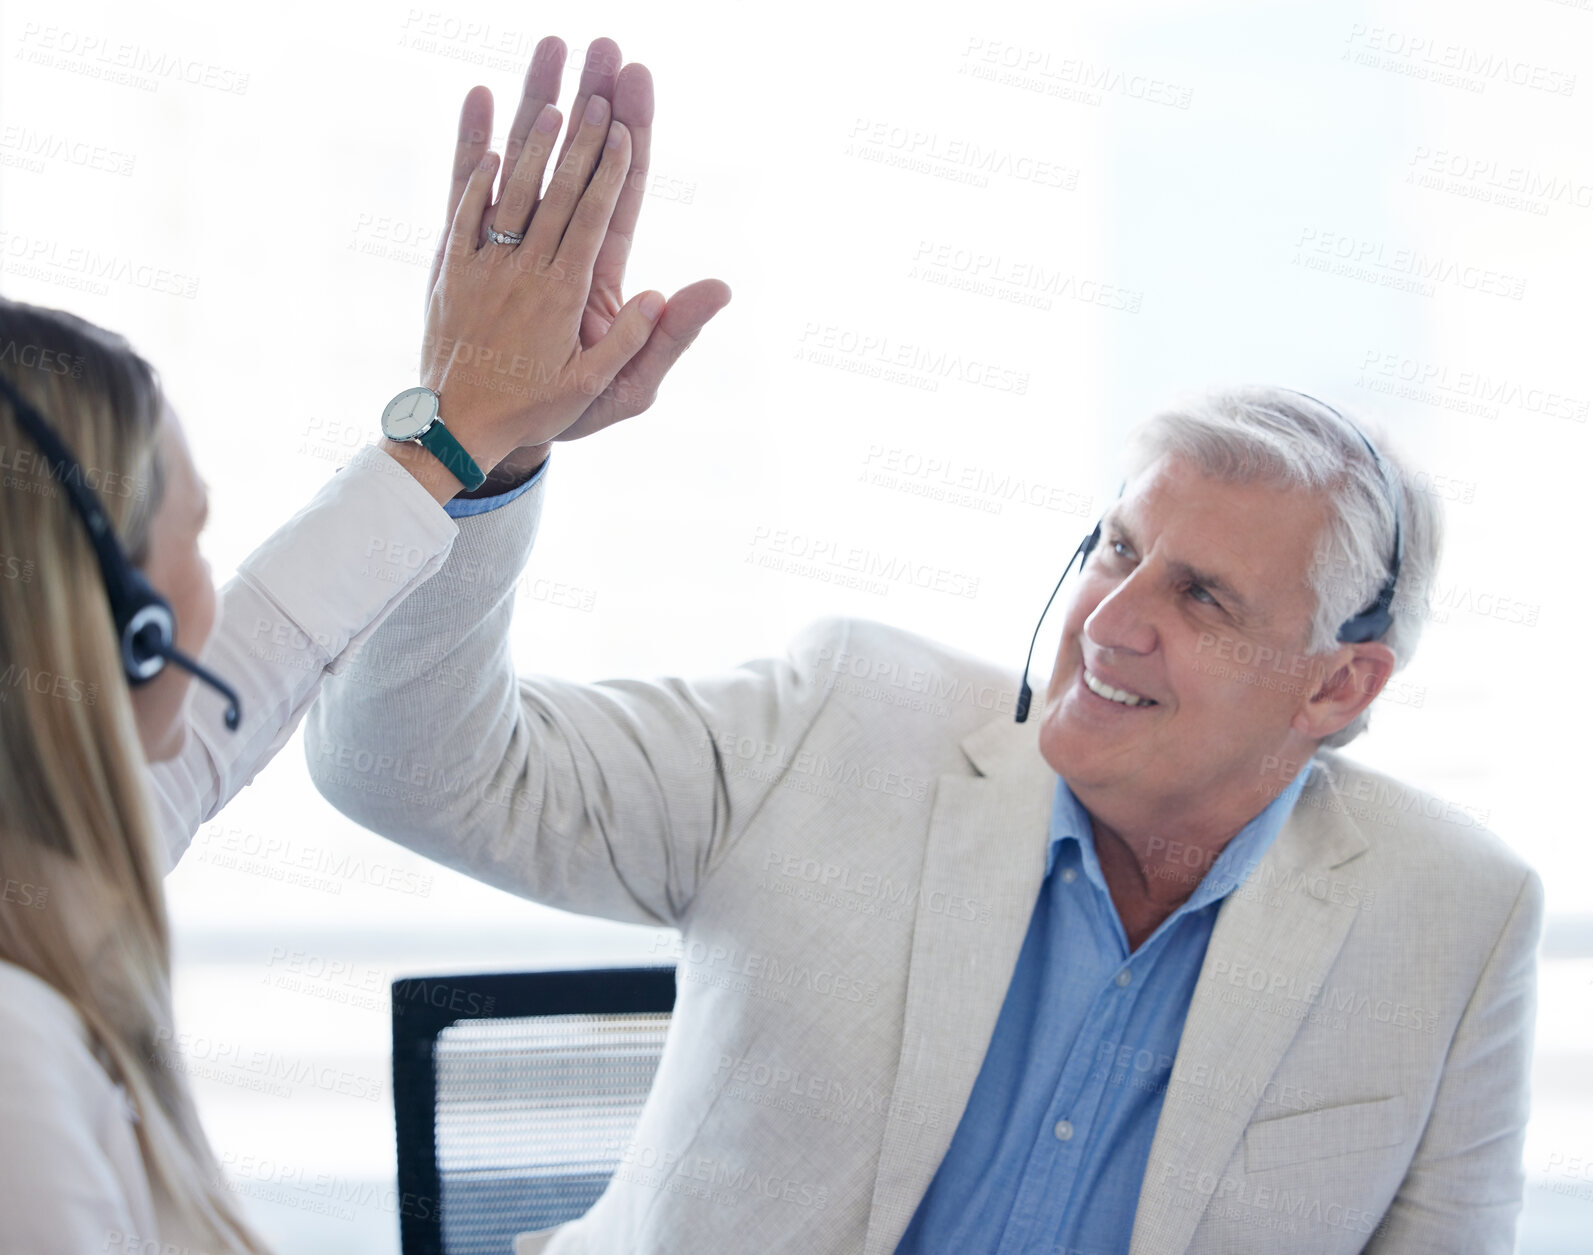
412 415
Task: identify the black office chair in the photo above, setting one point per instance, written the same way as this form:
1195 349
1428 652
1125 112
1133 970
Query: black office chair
514 1094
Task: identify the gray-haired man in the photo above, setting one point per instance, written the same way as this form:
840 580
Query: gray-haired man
1156 971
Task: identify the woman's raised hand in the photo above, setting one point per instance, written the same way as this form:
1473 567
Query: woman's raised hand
503 344
629 89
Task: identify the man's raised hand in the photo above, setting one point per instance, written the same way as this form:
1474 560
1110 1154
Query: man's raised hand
629 90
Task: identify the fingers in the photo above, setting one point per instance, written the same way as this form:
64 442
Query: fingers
598 76
475 132
464 235
520 192
589 224
633 105
686 314
635 387
632 326
570 179
542 79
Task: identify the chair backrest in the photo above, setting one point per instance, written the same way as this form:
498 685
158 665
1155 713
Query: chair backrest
513 1096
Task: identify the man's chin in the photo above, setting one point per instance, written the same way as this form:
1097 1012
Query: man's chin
1063 743
1078 748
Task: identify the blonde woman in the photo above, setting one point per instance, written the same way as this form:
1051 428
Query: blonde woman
107 759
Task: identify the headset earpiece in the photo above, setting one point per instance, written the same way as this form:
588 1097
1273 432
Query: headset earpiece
1374 621
146 628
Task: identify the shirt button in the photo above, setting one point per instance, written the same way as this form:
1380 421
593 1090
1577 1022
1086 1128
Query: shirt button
1064 1130
1124 977
1069 876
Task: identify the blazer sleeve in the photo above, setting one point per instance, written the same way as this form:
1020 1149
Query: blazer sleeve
299 608
1463 1191
614 799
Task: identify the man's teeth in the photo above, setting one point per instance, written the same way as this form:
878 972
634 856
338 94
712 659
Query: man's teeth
1102 689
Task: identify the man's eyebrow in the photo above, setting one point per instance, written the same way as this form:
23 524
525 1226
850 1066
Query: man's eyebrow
1236 600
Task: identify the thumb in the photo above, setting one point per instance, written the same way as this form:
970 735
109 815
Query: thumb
625 338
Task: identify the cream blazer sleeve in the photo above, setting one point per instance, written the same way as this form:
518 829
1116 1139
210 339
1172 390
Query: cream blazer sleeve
616 799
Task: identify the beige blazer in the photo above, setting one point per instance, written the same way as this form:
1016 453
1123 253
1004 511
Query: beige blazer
850 840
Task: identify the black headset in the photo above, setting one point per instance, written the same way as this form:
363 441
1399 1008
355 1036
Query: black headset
146 628
1367 625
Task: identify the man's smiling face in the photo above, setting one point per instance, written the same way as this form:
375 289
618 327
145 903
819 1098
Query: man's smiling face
1190 572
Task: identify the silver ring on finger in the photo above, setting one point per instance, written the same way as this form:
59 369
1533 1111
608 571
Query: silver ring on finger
505 237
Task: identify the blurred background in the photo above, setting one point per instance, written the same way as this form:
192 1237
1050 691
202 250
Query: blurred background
970 246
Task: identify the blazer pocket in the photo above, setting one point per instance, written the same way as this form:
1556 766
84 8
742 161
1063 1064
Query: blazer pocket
1325 1132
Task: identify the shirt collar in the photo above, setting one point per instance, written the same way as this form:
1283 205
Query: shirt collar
1071 822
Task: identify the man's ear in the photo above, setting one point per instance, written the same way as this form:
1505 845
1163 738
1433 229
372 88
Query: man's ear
1353 675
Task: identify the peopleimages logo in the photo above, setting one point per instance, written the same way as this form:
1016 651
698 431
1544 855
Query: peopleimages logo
768 759
721 966
724 1180
50 361
904 894
866 351
956 159
266 1071
47 684
21 893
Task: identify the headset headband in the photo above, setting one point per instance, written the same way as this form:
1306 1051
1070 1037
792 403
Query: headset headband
146 628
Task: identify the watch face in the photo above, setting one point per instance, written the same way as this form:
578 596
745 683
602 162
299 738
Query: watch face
409 413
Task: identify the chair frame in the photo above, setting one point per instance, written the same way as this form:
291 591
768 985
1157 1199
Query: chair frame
424 1006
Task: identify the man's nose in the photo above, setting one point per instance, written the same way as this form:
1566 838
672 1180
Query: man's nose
1122 619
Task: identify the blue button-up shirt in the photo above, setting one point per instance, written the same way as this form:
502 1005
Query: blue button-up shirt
465 507
1051 1151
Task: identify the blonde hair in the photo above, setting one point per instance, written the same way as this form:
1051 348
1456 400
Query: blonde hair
76 822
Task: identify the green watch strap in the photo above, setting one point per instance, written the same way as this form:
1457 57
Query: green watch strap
452 454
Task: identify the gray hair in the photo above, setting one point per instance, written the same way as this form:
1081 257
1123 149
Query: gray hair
1246 434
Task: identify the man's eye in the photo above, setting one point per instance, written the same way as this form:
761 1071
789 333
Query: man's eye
1118 547
1198 591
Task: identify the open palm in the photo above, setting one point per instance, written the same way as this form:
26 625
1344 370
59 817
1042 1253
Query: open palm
629 88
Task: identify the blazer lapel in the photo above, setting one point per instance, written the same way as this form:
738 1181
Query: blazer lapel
985 856
1285 924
